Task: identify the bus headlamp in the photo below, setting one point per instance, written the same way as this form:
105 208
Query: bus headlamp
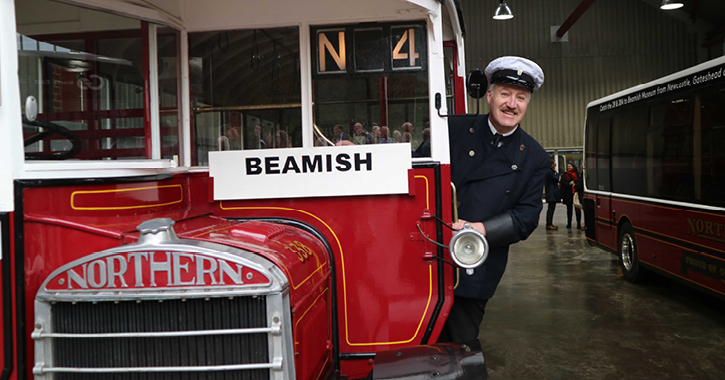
469 248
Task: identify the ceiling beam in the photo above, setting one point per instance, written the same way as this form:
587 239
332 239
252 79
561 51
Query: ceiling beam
573 17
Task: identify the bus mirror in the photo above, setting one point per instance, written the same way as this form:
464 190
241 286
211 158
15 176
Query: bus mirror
476 84
31 108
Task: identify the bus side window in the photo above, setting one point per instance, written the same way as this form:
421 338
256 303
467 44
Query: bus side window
603 153
711 154
669 150
245 89
629 151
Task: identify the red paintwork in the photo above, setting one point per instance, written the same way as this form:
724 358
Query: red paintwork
386 288
383 282
671 238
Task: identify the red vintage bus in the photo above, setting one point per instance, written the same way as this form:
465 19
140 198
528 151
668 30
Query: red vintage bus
655 169
229 189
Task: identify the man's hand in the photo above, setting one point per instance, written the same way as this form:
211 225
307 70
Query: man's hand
478 226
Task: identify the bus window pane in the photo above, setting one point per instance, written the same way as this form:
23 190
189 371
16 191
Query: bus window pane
85 77
381 95
629 151
603 149
167 42
669 151
245 87
353 104
712 108
591 151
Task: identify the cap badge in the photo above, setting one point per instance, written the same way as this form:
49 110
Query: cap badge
521 70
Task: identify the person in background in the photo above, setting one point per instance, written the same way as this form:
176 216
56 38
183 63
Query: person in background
385 135
396 136
282 139
552 195
255 141
360 135
339 134
424 147
566 184
229 135
377 135
409 135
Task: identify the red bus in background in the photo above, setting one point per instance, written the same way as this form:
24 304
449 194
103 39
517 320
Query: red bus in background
228 189
655 169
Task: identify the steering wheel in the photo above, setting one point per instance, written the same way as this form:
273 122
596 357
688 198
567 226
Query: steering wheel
48 130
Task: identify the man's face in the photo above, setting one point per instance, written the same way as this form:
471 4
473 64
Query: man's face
358 128
337 131
258 130
508 106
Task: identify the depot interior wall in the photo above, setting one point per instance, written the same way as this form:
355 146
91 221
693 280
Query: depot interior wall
615 45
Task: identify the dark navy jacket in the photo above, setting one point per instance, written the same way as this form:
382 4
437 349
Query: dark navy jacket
500 187
552 187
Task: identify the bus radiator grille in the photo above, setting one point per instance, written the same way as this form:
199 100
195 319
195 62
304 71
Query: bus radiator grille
214 355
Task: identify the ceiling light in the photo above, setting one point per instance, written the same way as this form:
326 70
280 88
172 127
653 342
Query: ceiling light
503 12
668 5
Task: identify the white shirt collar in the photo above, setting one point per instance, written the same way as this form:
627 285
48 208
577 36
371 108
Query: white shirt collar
494 131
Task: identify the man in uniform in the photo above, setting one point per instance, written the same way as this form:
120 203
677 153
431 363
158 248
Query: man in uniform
498 171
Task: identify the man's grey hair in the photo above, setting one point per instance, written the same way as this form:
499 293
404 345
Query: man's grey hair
493 86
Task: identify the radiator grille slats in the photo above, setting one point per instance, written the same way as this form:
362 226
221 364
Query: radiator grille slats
177 351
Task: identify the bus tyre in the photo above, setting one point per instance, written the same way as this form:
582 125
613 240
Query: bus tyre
629 255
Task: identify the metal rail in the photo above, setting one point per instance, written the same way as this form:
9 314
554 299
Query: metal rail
277 329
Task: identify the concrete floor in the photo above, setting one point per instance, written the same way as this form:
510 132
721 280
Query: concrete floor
563 311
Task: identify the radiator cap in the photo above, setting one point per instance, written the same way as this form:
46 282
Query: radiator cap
157 231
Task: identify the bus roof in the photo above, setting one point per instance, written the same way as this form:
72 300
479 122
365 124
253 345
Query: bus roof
665 79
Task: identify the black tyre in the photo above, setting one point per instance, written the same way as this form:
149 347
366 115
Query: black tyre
629 255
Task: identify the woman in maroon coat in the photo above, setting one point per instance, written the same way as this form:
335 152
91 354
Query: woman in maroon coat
567 182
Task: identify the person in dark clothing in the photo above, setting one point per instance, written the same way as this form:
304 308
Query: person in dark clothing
567 182
552 195
499 171
424 147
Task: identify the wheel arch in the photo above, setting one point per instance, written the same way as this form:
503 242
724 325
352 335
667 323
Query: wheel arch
620 223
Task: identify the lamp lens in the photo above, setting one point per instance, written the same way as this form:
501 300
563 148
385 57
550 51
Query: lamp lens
468 249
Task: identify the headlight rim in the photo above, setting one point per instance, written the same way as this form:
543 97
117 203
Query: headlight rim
468 230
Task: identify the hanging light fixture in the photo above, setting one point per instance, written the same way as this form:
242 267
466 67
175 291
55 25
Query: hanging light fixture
668 5
503 12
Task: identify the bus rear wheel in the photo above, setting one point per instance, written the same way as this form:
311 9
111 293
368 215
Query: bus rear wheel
629 255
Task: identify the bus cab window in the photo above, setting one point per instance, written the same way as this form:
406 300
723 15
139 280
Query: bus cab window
88 76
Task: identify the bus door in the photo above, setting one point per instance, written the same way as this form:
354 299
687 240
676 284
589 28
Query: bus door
606 221
455 85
